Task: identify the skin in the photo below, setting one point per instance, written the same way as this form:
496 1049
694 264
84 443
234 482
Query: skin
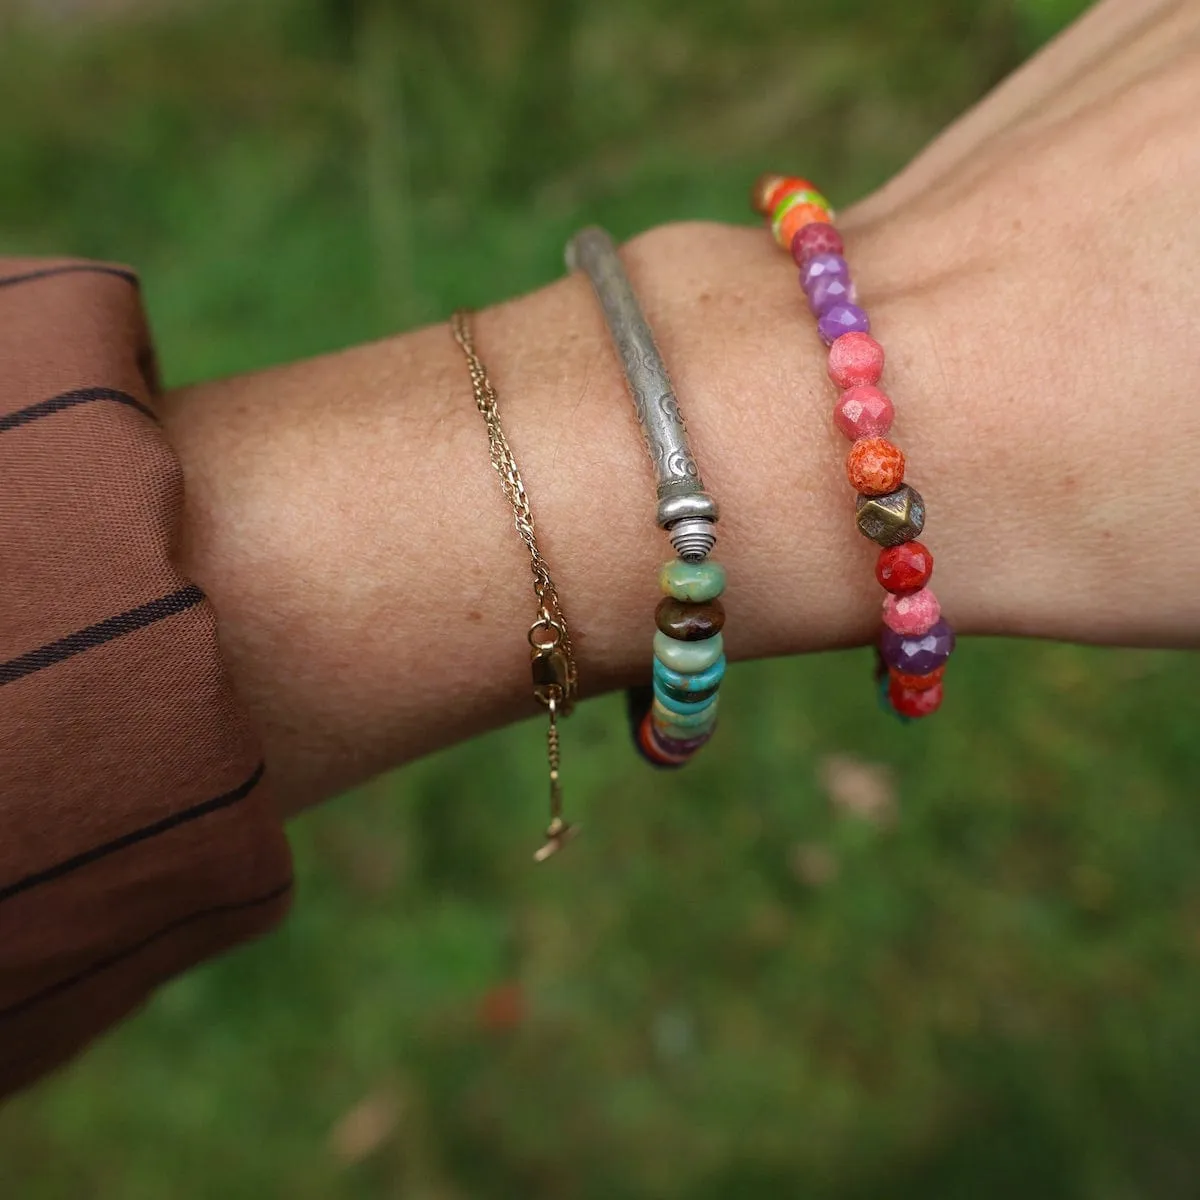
1034 276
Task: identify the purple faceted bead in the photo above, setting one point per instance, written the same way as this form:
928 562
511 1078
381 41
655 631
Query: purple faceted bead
828 291
842 318
917 655
823 266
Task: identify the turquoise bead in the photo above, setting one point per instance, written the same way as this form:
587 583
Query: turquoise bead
690 686
688 657
696 582
676 705
684 725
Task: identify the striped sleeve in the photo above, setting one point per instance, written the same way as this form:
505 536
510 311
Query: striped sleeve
137 836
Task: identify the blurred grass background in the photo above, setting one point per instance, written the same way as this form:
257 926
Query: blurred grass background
840 960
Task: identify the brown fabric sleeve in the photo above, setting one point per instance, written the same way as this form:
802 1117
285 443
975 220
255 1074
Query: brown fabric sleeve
137 836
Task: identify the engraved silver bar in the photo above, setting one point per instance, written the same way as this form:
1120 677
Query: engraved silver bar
592 251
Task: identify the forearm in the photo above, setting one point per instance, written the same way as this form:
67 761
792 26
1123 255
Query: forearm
373 595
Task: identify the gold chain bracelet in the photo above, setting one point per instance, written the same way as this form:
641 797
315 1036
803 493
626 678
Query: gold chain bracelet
552 657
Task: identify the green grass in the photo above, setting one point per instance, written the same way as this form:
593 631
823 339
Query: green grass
733 986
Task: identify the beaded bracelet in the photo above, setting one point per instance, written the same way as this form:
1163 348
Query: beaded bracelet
915 641
677 715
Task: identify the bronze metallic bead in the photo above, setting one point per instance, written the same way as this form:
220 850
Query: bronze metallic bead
689 622
764 185
889 520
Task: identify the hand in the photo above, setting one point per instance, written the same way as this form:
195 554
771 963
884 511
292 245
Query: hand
1057 264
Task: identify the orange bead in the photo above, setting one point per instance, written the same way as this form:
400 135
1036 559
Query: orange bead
916 683
875 467
784 186
796 218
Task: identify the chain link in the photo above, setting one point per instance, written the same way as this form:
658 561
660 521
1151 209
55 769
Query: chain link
549 635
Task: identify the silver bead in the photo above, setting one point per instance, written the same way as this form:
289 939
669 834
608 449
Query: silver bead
654 400
693 539
686 506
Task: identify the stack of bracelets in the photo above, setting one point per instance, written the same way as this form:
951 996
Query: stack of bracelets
916 641
677 715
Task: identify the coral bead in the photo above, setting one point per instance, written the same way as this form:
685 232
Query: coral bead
794 218
917 683
863 412
818 238
913 613
914 702
855 358
875 467
840 320
904 568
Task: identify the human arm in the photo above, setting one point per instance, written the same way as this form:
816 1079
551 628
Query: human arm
371 591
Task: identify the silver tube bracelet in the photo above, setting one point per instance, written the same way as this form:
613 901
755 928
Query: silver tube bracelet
677 715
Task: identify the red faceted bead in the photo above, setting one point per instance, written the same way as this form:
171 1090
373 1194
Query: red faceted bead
904 568
916 683
863 412
914 702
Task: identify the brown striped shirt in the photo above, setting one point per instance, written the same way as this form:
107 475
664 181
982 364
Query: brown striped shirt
136 833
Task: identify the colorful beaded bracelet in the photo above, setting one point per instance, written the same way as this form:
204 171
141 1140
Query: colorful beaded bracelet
916 640
675 716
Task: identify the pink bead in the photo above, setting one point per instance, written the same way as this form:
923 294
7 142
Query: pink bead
863 412
912 615
855 358
818 238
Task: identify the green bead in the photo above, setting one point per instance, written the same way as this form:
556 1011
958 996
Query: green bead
682 726
696 582
794 201
688 657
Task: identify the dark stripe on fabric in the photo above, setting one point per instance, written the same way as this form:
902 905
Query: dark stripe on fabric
96 635
57 404
134 836
70 269
103 964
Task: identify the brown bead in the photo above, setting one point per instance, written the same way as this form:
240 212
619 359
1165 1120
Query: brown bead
760 193
689 622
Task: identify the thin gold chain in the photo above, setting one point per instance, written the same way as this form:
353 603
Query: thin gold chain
555 675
